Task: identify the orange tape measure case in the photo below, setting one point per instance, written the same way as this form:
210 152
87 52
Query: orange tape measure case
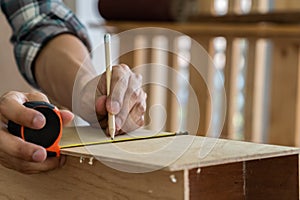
49 136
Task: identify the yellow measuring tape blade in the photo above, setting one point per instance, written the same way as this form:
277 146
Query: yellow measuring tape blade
85 136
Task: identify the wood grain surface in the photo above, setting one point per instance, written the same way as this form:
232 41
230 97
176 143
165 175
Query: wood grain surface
179 152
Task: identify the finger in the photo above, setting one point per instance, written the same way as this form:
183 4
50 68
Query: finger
133 125
37 96
133 95
100 106
66 116
103 123
119 84
120 132
3 119
17 96
29 118
34 168
11 107
7 98
28 167
135 119
16 147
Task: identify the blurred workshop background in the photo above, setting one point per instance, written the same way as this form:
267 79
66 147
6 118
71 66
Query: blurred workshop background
253 45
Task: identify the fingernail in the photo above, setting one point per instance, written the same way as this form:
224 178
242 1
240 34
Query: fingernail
39 121
115 107
62 161
39 155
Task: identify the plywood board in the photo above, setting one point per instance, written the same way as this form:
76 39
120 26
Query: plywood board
178 153
273 178
220 182
93 182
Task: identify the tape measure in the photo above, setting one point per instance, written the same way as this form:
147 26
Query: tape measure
48 136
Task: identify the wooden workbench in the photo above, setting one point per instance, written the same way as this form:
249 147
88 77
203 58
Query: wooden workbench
178 167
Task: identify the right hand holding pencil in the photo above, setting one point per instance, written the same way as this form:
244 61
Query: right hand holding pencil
127 100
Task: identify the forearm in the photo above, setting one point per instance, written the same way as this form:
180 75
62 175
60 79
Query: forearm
57 65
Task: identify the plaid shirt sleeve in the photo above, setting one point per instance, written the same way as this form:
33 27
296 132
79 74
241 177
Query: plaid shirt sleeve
34 23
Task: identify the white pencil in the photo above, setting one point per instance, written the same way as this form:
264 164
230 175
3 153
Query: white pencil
111 117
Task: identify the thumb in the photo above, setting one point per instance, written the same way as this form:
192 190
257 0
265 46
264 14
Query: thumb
101 105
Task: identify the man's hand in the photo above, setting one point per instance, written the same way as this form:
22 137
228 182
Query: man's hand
127 100
16 153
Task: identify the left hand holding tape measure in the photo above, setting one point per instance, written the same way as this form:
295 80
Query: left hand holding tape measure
48 136
35 128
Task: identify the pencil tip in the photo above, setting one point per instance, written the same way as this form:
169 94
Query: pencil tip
107 37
